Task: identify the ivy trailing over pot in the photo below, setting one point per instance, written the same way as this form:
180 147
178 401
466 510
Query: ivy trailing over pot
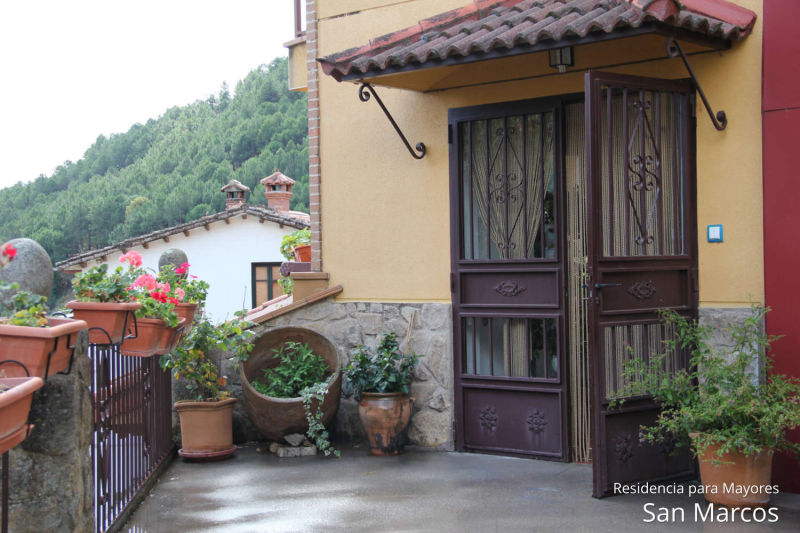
301 373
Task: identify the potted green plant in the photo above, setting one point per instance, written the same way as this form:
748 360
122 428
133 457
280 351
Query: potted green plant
104 301
297 246
41 345
207 419
16 395
381 382
157 322
726 406
291 384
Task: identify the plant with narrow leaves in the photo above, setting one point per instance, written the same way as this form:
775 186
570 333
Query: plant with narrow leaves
191 360
387 370
726 397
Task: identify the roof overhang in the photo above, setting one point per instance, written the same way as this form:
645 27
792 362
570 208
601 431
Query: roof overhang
452 49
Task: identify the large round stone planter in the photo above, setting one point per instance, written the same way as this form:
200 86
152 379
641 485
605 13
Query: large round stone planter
276 417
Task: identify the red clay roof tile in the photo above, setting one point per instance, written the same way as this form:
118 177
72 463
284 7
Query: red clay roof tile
487 25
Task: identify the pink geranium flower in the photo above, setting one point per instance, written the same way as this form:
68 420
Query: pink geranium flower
164 287
183 269
133 258
180 294
148 281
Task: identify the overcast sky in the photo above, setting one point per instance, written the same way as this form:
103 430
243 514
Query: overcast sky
74 69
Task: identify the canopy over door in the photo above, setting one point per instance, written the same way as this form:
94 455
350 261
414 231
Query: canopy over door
642 257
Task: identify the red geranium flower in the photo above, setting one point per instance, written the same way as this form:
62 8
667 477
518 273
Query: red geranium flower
9 251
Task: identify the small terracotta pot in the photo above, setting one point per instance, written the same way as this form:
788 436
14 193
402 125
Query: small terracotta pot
172 336
302 253
31 346
739 470
187 311
16 437
15 403
115 318
385 417
206 428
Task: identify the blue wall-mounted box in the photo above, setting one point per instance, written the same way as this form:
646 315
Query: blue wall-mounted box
715 233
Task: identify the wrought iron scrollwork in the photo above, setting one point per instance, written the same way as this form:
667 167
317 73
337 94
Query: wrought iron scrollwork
720 120
642 290
489 418
536 421
509 288
365 92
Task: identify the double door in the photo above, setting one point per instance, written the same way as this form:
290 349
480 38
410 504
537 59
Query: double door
572 225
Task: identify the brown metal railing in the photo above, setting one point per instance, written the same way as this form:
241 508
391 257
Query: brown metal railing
132 428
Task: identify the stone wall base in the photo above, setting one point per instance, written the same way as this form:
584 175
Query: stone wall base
50 484
349 325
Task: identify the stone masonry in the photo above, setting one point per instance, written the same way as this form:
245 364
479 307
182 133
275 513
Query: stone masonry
348 325
50 486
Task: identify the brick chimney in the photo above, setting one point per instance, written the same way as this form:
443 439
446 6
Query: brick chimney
278 191
234 194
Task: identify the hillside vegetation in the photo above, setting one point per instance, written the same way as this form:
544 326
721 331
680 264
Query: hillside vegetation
168 170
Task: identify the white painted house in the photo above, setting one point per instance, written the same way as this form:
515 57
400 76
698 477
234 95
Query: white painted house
237 251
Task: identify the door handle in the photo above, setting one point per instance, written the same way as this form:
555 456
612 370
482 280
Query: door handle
606 285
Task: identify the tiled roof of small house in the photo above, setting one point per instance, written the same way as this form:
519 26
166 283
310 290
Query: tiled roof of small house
277 178
235 185
485 26
292 219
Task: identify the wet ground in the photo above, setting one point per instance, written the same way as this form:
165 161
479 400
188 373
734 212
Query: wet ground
420 491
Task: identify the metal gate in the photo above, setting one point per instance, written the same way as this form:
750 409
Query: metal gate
642 257
507 263
132 437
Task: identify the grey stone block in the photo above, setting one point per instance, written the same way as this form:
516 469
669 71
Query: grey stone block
296 451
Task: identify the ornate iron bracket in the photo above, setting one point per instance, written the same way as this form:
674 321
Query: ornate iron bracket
364 96
674 50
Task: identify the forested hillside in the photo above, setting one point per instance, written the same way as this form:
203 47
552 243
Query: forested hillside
168 170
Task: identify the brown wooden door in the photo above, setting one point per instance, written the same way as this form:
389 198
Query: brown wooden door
642 256
507 250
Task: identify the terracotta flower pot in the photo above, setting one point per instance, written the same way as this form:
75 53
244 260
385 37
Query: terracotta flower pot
187 311
385 417
148 338
114 318
15 403
206 428
739 470
276 417
31 346
302 253
171 337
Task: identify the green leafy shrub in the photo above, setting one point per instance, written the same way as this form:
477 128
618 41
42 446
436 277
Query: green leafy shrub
299 368
727 397
23 308
190 361
387 370
301 373
293 240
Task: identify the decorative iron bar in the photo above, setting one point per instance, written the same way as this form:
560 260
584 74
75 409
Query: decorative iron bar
364 93
674 49
132 400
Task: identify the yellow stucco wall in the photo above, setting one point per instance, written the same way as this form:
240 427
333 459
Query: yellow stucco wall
385 216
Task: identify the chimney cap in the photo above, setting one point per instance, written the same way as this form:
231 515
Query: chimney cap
277 179
235 185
